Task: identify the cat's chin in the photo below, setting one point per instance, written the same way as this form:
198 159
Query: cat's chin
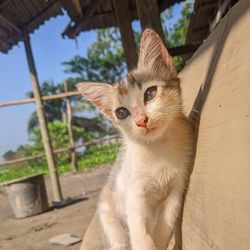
150 130
154 134
149 136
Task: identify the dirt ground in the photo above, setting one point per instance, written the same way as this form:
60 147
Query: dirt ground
34 232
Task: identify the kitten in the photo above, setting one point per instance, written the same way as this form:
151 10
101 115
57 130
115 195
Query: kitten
142 199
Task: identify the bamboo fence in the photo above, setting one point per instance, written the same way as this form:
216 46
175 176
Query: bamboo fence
71 147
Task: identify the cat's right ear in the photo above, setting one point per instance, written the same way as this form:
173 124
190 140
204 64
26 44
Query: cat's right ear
99 94
154 55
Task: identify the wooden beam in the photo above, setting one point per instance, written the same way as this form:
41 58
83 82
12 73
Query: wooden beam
184 49
11 24
44 98
149 16
72 30
127 35
73 7
221 11
44 12
78 8
88 13
208 6
168 3
3 3
70 130
56 189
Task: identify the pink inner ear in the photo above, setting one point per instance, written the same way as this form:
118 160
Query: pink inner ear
164 52
167 58
96 103
108 113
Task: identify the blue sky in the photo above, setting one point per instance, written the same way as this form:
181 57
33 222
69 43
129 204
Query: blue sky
49 50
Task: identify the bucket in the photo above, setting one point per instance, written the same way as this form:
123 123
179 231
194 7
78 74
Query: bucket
27 195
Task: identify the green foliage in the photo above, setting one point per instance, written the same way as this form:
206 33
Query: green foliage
59 137
105 61
59 134
9 155
176 34
95 155
55 111
53 108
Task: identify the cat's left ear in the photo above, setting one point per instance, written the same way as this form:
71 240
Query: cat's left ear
99 94
154 55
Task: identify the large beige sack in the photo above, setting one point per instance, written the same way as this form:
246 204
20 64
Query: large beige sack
217 206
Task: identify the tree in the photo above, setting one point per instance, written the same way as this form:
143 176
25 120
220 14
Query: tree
176 35
55 110
9 155
105 61
52 108
59 137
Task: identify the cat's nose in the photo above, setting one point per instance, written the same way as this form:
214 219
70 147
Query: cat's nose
142 122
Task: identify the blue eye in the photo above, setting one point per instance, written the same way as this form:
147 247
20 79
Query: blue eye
150 93
122 113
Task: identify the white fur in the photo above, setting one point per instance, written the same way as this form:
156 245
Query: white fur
142 199
147 191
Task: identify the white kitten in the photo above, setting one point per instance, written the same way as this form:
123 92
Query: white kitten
142 199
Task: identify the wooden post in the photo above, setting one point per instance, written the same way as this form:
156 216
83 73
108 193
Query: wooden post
56 189
70 130
149 16
127 35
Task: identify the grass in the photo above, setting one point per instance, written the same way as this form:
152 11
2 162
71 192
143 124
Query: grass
94 156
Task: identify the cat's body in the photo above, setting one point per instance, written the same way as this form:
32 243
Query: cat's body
148 175
141 201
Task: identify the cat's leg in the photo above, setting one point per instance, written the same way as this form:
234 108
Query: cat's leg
170 214
114 227
137 212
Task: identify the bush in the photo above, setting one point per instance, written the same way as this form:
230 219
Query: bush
94 156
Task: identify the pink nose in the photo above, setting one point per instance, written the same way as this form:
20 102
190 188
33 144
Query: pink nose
142 122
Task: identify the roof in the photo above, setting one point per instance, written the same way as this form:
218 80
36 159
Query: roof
21 16
100 14
25 16
96 15
203 19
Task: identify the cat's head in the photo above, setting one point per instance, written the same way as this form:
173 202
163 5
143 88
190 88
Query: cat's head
145 102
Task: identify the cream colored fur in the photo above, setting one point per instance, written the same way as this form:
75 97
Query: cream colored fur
142 199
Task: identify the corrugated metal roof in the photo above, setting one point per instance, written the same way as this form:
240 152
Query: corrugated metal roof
19 16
